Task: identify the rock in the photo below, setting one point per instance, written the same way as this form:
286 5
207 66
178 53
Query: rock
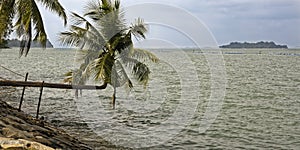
8 143
20 131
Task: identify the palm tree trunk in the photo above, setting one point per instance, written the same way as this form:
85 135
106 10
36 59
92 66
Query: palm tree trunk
76 93
114 98
50 85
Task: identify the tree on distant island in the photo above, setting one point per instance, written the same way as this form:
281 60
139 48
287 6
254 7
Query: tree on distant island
254 45
16 43
28 18
106 46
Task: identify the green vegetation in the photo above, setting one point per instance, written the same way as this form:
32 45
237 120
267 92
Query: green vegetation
106 46
28 18
3 44
254 45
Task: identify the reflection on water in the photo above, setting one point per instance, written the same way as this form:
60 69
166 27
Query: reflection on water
261 108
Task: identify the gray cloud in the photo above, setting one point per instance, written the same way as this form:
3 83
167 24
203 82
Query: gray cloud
228 20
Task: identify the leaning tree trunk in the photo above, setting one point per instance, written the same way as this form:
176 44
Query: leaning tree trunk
114 98
50 85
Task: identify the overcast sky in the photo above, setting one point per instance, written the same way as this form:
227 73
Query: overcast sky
226 20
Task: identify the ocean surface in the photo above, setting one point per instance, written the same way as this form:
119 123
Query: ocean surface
180 108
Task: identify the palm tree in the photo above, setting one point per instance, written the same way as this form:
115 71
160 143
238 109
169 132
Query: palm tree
28 18
6 16
105 43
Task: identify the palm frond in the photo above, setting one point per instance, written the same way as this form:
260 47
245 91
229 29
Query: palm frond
141 72
69 38
111 24
7 12
119 76
23 25
56 7
38 25
106 6
77 19
86 56
93 10
68 77
101 68
77 76
91 37
82 38
119 42
143 55
138 29
117 4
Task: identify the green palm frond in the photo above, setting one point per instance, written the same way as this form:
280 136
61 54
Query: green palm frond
7 12
69 38
88 37
81 38
38 25
56 7
107 17
117 4
141 72
68 77
93 10
119 42
142 55
106 6
139 28
77 19
111 24
86 56
119 76
24 25
101 68
77 76
28 18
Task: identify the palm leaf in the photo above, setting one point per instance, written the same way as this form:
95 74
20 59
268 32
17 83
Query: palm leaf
142 55
56 7
39 25
80 37
101 68
7 11
69 38
68 77
139 28
24 25
28 19
119 76
141 72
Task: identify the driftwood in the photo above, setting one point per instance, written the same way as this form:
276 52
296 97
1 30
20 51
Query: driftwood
49 85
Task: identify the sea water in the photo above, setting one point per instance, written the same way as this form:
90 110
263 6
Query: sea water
260 109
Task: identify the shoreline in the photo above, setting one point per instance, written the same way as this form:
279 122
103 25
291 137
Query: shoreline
16 127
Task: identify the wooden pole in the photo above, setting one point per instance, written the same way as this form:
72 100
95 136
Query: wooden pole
40 98
23 92
50 85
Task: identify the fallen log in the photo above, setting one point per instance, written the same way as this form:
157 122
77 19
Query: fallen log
49 85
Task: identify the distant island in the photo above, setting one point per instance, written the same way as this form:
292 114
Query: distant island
16 43
254 45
